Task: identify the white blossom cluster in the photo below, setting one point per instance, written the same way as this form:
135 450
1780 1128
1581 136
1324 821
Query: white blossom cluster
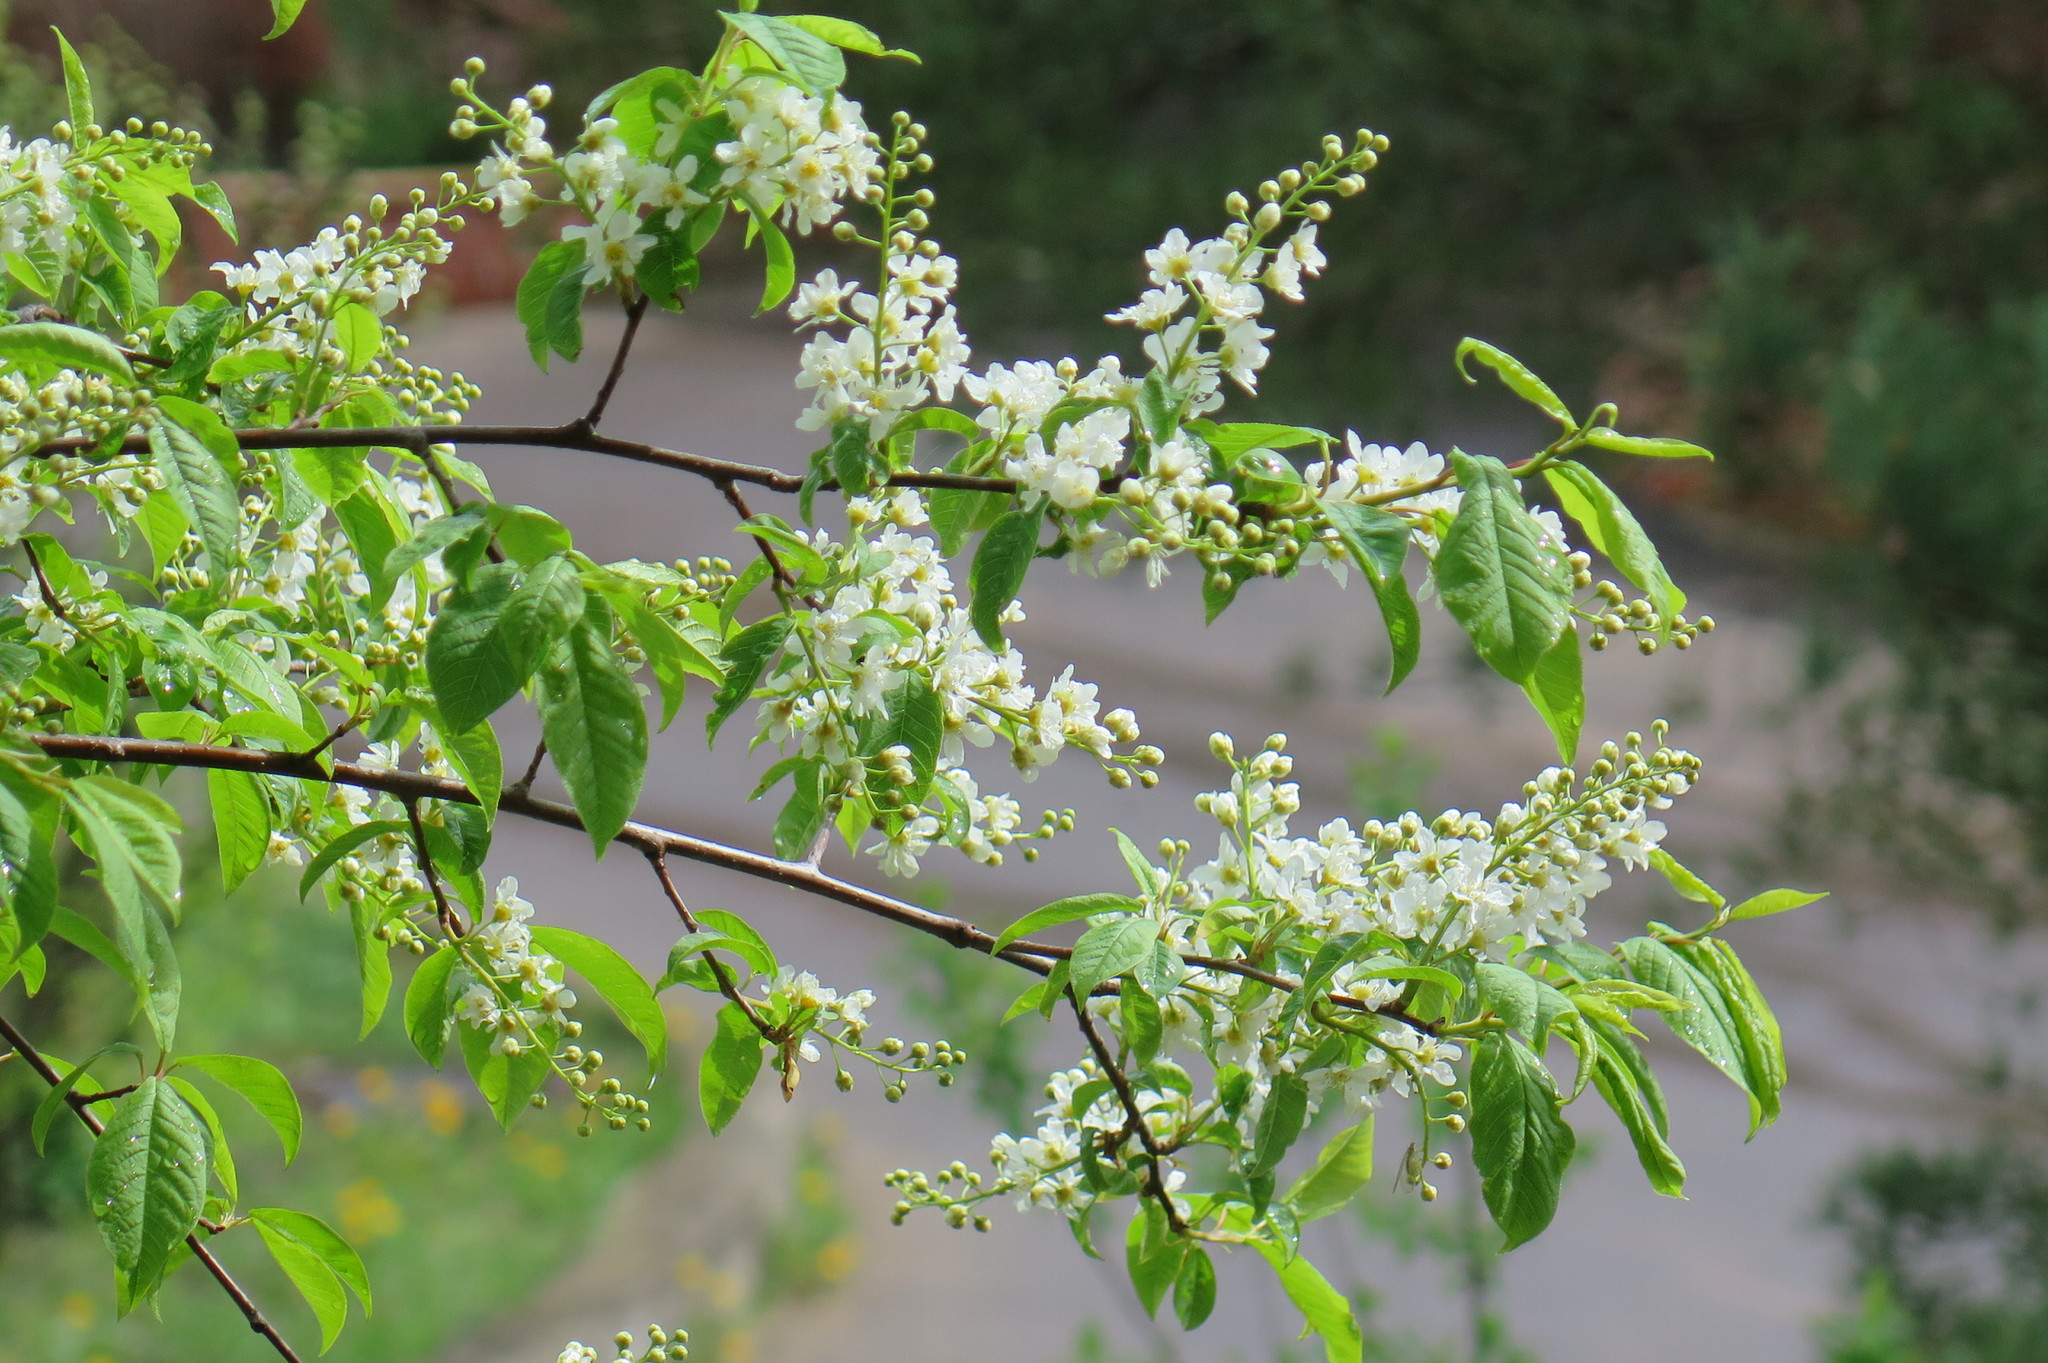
514 990
291 297
36 206
1457 886
900 349
896 615
796 993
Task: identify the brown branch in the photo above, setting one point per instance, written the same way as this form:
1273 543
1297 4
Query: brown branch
740 508
438 471
567 437
726 984
50 597
1156 1184
635 310
250 1311
442 909
645 838
525 783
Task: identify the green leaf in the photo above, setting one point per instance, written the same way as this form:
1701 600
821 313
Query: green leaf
628 995
913 718
529 534
1617 1086
432 538
223 1157
746 657
1230 439
1755 1026
211 197
1517 376
264 1086
1684 881
748 944
1376 540
1509 994
285 13
474 663
66 346
1280 1122
1773 901
550 302
1704 1022
1000 564
1613 531
241 823
1109 949
1194 1288
595 726
1651 446
77 88
507 1082
811 60
301 1244
847 34
429 1006
373 961
731 1063
1520 1143
1404 627
146 1181
1143 1027
780 276
1152 1256
802 819
1343 1167
1557 689
1326 1310
194 476
1506 590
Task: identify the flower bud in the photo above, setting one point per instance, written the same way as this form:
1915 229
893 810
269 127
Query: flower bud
1221 747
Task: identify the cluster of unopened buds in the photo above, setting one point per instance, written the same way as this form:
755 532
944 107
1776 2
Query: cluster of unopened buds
1618 615
663 1346
935 1058
927 1190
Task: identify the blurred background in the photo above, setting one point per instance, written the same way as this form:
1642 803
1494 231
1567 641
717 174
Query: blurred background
1807 233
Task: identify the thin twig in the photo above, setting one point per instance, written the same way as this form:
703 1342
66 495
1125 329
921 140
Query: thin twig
1156 1184
438 471
442 908
635 310
50 597
250 1311
525 783
727 986
333 736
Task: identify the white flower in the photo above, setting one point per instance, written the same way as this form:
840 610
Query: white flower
612 246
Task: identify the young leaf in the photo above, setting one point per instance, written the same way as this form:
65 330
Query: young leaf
146 1180
746 658
595 726
1343 1167
1613 531
812 61
1143 1027
1520 1143
284 13
1755 1026
1064 911
373 961
1109 949
1521 381
428 1006
507 1082
913 718
264 1086
550 302
1617 1086
1498 580
1280 1123
1684 881
1323 1307
1772 901
77 86
780 276
628 995
319 1263
1404 627
241 823
1510 995
999 567
54 1101
196 481
1704 1022
731 1062
847 34
1376 540
474 663
1651 446
344 843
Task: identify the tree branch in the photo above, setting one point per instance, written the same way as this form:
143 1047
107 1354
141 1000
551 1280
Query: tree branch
250 1312
646 838
1156 1184
727 986
635 310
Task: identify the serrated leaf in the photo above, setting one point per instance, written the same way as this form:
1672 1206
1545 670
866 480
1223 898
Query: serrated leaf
1509 994
1557 689
1755 1026
847 34
1613 531
552 325
812 61
265 1088
1141 1023
475 664
622 988
146 1181
318 1261
1109 949
373 961
731 1063
1377 540
595 726
1704 1022
1660 1163
1504 588
53 1102
746 658
344 843
66 346
1280 1123
197 482
1326 1310
997 574
1520 1143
